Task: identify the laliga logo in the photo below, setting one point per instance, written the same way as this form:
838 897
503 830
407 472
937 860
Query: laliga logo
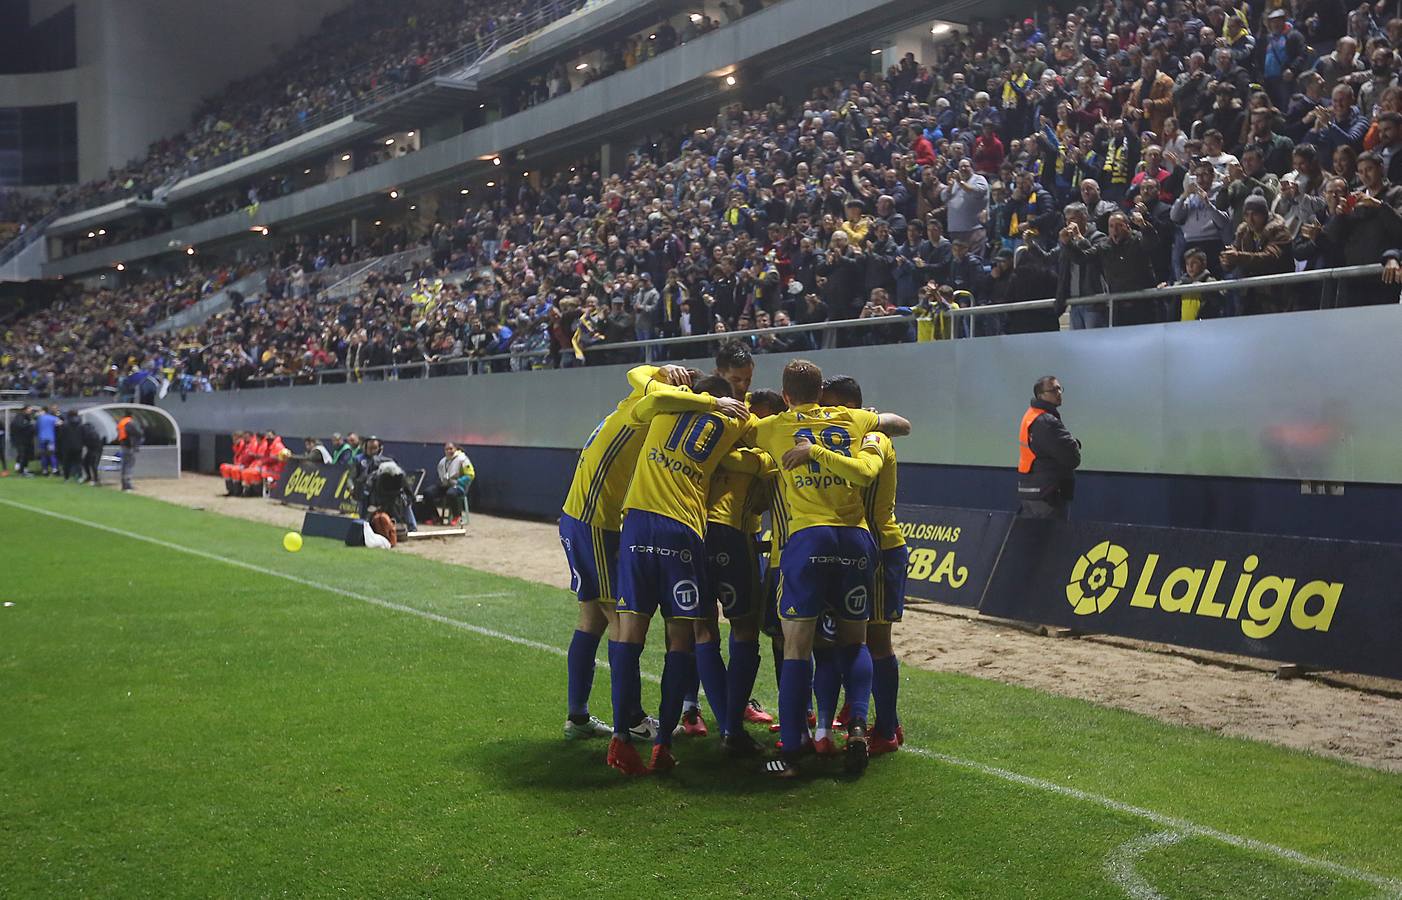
1098 578
1259 602
686 595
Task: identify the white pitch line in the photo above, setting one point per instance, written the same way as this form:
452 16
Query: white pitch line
1120 864
1389 887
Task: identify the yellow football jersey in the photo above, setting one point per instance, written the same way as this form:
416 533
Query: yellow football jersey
606 463
881 493
807 496
874 468
738 497
679 453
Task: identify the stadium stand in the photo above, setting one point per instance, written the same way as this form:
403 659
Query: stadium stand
1046 157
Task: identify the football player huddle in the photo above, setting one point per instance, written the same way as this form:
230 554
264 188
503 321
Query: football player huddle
664 514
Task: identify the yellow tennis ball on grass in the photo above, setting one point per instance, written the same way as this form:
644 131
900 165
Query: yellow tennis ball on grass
292 542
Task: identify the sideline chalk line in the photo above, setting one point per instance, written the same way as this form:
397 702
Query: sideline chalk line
1389 887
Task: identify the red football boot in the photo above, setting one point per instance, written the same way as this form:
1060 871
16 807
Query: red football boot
624 757
691 725
662 759
756 714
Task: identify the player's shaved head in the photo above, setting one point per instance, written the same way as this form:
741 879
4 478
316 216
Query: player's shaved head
767 403
842 390
714 385
803 382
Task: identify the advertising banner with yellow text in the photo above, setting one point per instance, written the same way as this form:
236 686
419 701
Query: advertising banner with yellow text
1330 604
952 551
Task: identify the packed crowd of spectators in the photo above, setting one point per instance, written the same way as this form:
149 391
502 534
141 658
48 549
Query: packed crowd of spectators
355 53
100 341
1112 149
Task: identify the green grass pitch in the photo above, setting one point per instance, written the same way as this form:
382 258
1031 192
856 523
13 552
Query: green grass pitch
188 710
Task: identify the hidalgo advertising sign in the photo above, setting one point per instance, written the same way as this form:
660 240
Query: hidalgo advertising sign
316 485
952 551
1332 604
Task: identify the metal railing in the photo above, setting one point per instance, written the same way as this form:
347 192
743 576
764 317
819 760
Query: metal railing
457 365
354 280
212 303
525 359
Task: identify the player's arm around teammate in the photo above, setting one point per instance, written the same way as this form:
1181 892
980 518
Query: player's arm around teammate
662 559
590 522
877 454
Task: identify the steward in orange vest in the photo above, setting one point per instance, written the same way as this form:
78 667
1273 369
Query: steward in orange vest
1048 455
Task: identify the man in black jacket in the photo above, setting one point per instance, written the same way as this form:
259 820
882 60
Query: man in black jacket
1048 455
365 467
22 438
92 453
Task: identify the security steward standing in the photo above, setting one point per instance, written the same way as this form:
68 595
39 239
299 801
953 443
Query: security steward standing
1048 455
129 435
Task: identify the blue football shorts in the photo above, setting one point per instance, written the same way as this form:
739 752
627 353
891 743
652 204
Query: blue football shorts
662 564
592 554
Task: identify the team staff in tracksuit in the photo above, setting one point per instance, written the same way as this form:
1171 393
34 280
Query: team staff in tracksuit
1048 455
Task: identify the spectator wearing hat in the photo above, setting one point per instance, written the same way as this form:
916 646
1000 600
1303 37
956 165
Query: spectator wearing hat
1280 57
1261 247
